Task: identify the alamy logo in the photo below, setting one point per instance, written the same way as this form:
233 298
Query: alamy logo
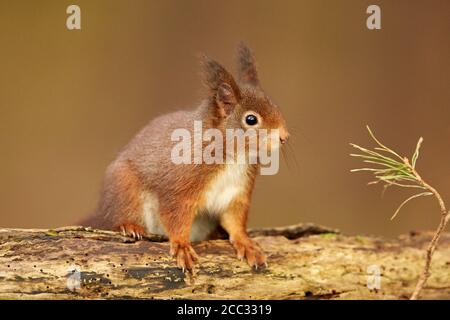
238 146
73 21
373 277
373 21
73 278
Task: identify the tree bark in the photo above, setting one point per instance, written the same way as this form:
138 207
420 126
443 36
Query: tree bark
305 261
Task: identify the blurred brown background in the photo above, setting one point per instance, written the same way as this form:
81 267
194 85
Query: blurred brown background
70 99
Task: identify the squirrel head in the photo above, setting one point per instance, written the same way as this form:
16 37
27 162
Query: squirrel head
241 104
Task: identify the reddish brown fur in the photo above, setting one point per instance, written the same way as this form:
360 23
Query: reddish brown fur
124 185
145 165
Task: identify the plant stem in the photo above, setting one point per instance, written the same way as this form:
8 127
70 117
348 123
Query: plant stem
445 217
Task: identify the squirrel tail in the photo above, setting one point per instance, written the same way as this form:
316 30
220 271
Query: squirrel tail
94 220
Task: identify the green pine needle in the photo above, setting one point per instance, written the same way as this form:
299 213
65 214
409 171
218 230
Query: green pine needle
389 168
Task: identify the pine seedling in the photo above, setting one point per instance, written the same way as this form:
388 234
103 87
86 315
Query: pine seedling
391 169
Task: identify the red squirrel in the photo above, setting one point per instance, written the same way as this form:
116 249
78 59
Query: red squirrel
145 192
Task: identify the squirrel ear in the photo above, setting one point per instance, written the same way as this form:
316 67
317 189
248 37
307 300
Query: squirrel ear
225 99
247 65
221 85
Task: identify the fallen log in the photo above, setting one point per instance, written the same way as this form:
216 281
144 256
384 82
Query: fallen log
306 261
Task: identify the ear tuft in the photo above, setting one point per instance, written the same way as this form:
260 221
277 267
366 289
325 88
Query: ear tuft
221 84
214 74
247 65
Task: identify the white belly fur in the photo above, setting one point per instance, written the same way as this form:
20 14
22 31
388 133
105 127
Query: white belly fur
150 211
219 194
224 188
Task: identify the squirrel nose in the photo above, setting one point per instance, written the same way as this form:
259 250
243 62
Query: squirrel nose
284 135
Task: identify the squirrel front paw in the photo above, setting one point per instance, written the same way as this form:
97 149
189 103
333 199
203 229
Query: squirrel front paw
184 255
133 230
250 250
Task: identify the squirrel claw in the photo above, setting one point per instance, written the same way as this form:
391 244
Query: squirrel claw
185 256
249 250
132 230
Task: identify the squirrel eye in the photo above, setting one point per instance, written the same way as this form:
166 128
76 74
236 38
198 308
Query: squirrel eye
251 120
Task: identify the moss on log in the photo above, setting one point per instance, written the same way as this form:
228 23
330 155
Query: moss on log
305 261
